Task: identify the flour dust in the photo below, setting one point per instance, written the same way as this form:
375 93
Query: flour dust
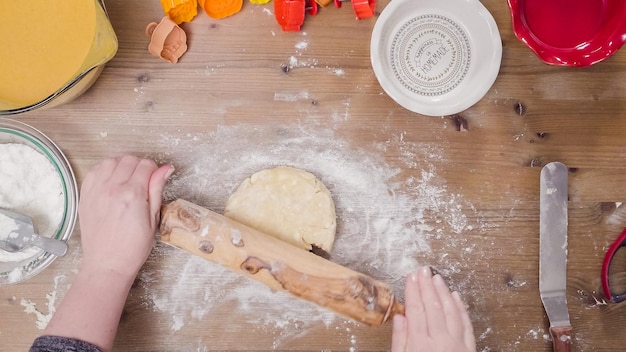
384 217
43 318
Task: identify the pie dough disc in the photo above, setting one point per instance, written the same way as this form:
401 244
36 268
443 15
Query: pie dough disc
288 203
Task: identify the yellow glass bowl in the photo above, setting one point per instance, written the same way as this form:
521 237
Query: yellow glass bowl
51 52
12 131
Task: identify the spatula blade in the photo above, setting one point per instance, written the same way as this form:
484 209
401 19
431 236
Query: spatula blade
553 221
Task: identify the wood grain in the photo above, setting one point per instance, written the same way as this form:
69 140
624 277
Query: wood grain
490 155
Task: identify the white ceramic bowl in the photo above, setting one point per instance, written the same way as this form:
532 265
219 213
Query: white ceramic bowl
436 57
12 131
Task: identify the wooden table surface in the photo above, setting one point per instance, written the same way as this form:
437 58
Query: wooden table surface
459 193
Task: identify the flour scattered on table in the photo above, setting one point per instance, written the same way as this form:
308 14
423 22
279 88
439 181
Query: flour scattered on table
342 114
31 308
302 45
485 333
337 71
535 333
296 59
295 62
292 97
383 218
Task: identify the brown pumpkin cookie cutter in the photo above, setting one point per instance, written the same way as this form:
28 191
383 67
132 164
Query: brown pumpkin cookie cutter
167 40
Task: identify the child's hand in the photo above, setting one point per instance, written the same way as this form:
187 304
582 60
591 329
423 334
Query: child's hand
119 211
434 320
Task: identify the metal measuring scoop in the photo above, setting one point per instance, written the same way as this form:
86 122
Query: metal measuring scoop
26 236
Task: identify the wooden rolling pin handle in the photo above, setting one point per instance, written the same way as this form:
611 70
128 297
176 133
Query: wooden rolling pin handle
277 264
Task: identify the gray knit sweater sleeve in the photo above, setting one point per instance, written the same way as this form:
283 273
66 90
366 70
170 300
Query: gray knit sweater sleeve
61 344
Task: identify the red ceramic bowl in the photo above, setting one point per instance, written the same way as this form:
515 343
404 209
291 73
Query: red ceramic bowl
570 33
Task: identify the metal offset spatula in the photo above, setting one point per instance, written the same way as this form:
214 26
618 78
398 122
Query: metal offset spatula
553 222
26 236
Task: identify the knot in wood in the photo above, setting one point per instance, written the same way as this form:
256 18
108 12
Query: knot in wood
190 218
253 265
365 290
205 247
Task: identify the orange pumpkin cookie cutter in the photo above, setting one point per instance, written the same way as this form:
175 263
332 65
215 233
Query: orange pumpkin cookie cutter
167 40
362 8
180 10
221 8
290 13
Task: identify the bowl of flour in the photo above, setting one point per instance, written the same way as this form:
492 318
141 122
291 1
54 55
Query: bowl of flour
37 180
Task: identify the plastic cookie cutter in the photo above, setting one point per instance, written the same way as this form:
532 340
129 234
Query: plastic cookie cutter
221 8
167 40
362 8
180 10
290 13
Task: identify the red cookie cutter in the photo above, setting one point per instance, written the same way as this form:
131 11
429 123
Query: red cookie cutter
362 8
290 13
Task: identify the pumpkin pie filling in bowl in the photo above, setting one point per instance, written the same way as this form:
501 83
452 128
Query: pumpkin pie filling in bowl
51 56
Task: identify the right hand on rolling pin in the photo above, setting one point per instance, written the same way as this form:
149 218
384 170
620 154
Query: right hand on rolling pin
434 320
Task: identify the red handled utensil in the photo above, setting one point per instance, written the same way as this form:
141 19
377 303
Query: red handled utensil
606 264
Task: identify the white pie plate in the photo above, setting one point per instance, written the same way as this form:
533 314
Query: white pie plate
436 57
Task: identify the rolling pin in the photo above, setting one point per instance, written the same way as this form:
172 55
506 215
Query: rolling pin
277 264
